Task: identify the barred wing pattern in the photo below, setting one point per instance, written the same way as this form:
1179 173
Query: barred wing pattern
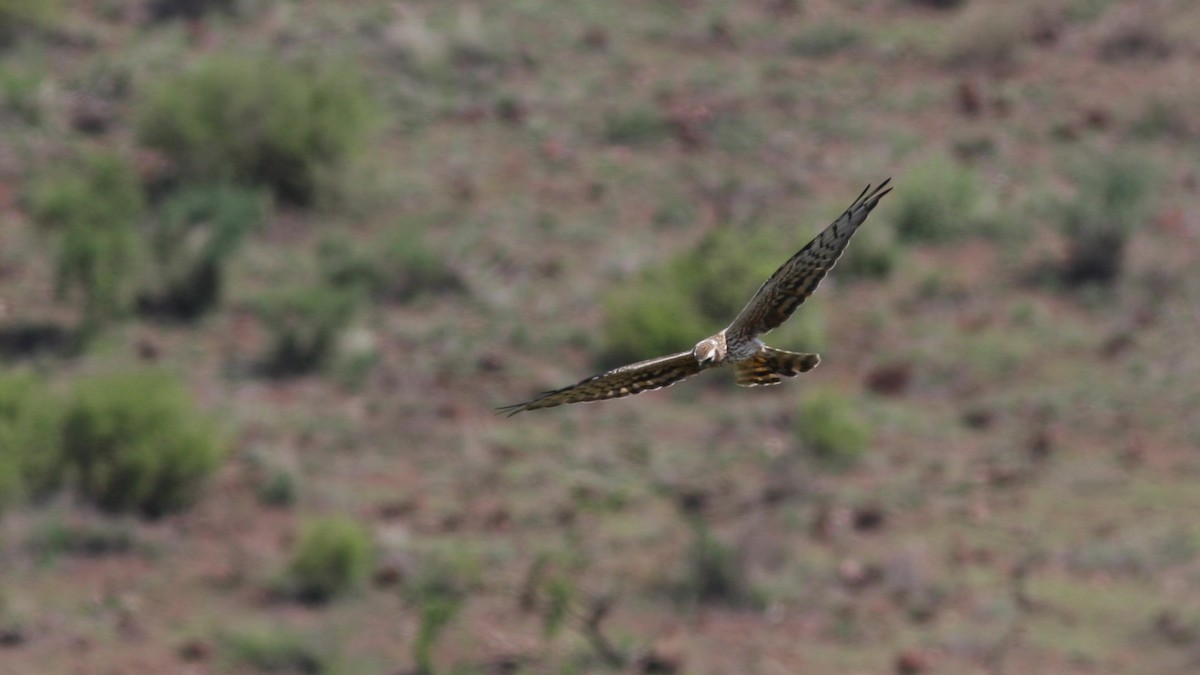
793 282
624 381
756 363
771 365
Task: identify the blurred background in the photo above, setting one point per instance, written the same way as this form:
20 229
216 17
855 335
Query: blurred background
267 266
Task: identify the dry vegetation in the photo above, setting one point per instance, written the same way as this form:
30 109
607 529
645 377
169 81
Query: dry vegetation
266 266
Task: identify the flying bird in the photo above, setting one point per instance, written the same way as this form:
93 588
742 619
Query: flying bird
754 363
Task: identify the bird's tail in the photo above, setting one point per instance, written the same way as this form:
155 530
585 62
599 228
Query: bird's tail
771 365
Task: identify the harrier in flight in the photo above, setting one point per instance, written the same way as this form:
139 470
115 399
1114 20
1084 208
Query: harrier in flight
738 345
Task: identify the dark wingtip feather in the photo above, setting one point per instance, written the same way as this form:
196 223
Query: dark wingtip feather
510 410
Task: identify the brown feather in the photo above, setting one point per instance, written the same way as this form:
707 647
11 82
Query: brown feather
624 381
771 305
771 365
797 278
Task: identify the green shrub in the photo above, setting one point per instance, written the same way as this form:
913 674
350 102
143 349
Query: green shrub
716 571
274 650
334 556
1112 199
18 16
19 97
31 462
279 488
135 442
345 264
196 231
411 267
651 318
95 206
636 126
831 429
1162 119
438 591
275 482
305 323
673 307
823 40
399 268
437 611
872 254
939 202
258 122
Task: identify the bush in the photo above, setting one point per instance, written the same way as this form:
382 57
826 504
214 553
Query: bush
96 206
19 98
279 488
716 572
135 443
438 591
18 16
823 40
274 650
939 202
305 323
636 126
829 427
651 318
1111 200
725 269
31 463
399 268
1161 119
196 231
872 254
334 556
673 307
276 482
257 122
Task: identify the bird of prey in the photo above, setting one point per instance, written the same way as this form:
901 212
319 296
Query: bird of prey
754 363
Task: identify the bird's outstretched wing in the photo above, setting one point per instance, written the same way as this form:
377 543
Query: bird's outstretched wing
624 381
797 278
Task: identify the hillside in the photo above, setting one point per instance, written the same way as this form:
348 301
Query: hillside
267 268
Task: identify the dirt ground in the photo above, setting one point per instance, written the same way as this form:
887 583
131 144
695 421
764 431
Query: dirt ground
1023 500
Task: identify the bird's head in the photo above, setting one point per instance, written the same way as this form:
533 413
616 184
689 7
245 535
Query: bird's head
708 351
